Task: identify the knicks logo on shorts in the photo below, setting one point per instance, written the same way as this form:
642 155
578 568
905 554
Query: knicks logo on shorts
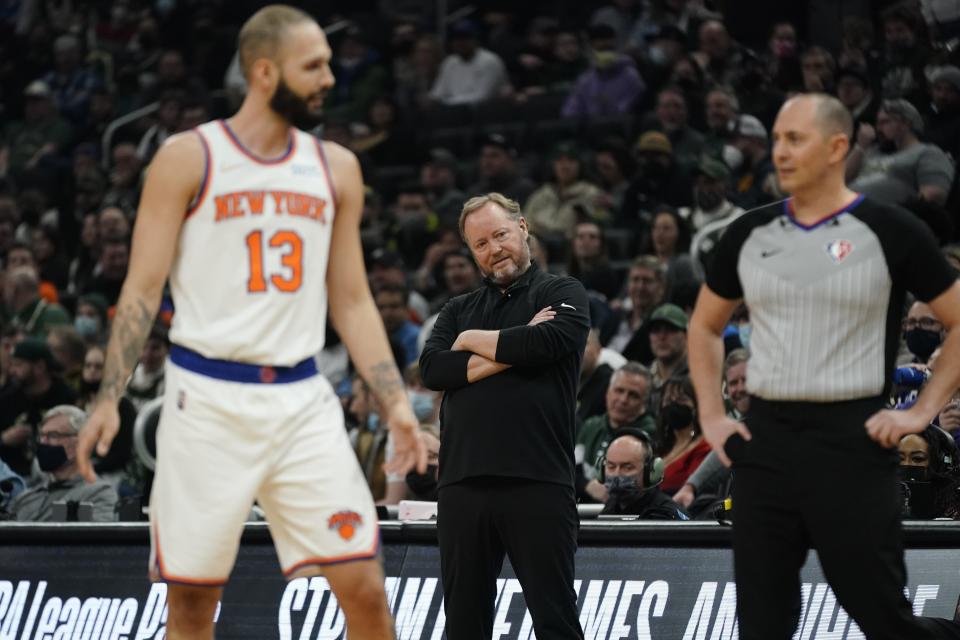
346 523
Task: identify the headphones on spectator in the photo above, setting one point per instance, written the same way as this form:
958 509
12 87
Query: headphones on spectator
652 465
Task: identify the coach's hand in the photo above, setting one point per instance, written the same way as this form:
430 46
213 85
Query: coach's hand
718 430
545 314
409 450
100 430
888 426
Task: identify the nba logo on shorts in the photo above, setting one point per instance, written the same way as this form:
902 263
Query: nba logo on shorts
181 399
346 523
838 250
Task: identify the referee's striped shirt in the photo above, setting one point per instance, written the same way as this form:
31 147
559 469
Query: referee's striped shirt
826 300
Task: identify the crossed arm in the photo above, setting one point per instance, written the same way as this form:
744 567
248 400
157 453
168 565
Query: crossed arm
455 357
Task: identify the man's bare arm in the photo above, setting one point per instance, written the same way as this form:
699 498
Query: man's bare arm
355 316
705 349
173 179
172 182
352 309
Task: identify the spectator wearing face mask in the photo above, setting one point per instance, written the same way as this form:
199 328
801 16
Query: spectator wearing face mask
626 408
34 387
631 478
62 482
369 437
922 334
611 87
90 320
929 475
710 481
679 440
426 407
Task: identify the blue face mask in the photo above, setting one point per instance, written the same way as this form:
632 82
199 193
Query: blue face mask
422 402
744 332
87 327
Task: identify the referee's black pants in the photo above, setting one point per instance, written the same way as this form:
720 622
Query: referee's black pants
812 478
535 524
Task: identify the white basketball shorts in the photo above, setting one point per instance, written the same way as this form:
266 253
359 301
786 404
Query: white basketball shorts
222 444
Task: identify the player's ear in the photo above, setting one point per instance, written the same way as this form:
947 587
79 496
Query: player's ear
265 73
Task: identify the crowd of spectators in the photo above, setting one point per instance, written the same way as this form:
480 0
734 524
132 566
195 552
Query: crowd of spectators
632 132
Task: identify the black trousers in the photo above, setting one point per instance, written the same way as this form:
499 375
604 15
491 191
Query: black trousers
812 478
535 524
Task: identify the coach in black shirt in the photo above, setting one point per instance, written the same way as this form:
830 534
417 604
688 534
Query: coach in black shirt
508 357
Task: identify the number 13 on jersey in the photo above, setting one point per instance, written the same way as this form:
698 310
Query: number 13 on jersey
291 259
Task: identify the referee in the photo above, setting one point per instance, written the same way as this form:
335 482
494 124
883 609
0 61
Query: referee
507 357
824 275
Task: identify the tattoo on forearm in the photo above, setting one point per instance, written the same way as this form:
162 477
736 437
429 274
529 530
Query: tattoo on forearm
385 380
131 325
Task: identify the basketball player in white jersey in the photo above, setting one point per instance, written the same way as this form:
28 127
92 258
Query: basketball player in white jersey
256 223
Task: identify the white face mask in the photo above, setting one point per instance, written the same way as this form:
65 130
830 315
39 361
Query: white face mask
732 157
657 56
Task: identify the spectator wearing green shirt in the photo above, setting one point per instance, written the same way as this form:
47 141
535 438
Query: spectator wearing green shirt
26 309
626 399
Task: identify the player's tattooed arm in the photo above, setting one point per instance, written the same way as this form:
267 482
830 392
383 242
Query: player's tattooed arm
385 382
131 326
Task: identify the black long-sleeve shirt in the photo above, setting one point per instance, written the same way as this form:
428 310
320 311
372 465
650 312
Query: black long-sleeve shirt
518 423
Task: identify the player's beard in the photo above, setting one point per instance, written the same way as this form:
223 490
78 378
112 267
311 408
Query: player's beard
294 108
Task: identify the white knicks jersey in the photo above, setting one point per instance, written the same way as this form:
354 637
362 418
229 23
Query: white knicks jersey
249 276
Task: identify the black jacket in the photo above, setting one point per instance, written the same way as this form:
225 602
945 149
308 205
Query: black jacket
651 504
518 423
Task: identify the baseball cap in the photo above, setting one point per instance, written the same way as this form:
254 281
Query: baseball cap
34 350
904 110
713 168
442 157
670 314
497 140
949 74
751 127
654 141
37 89
565 149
